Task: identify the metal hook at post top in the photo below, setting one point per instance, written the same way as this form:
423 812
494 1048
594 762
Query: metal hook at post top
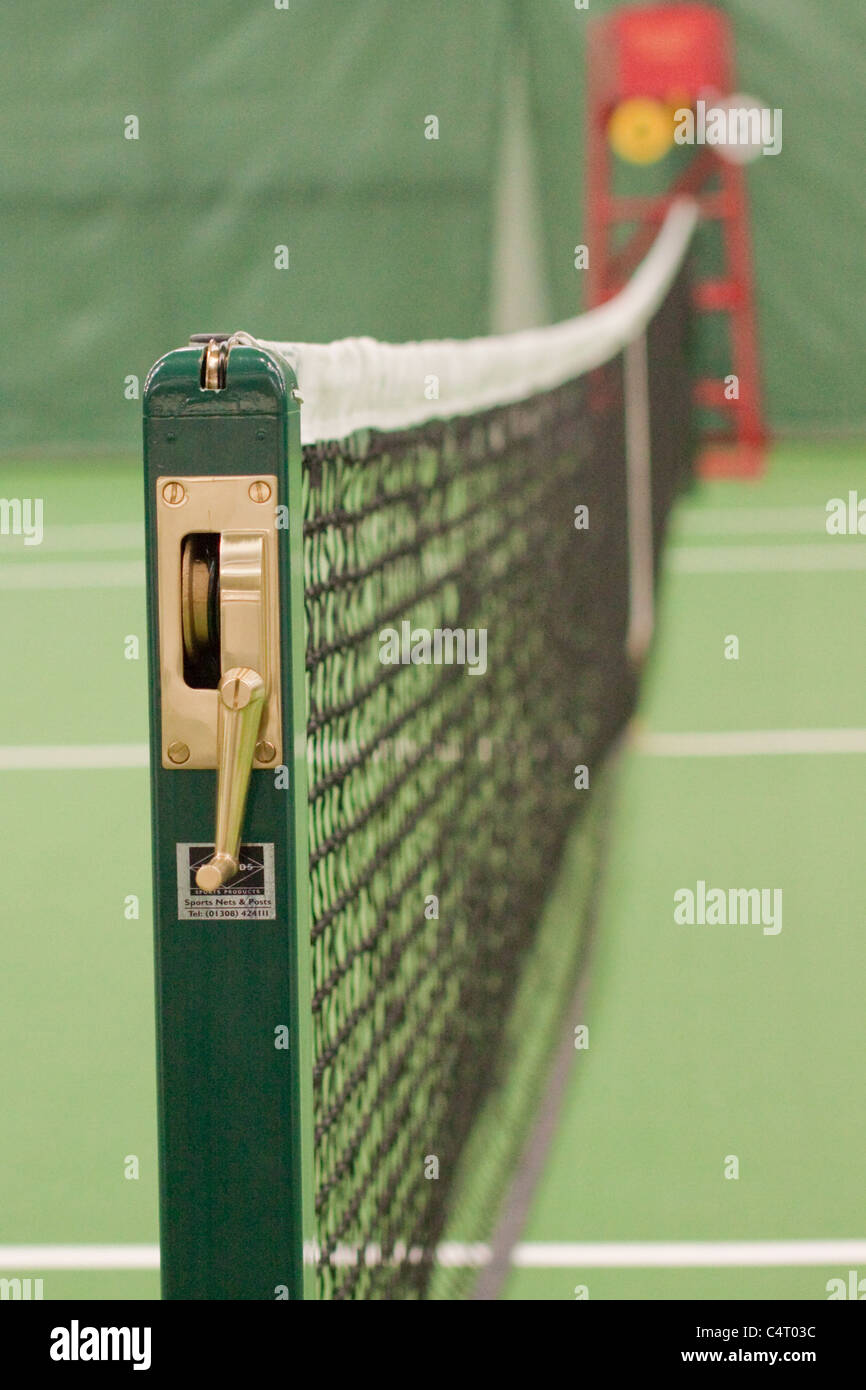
214 363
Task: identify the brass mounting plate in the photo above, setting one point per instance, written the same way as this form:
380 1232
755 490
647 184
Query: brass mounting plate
184 507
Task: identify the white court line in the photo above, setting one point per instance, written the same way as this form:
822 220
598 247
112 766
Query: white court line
89 536
75 574
754 559
687 1254
750 521
726 743
47 757
682 559
79 1257
680 1254
738 743
68 538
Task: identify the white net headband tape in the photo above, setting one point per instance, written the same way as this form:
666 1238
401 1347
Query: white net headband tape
359 383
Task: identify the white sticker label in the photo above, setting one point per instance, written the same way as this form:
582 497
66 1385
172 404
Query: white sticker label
250 897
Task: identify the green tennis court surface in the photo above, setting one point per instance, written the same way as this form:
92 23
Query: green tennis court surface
709 1041
705 1042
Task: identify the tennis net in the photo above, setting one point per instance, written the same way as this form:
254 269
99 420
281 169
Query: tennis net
482 529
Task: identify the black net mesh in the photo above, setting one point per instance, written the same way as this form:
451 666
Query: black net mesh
441 794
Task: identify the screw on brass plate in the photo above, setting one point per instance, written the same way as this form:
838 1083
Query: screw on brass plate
178 752
173 494
265 752
260 492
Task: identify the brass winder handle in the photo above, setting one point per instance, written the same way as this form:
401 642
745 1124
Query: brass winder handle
242 693
241 701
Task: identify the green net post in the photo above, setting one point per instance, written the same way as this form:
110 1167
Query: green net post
232 981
